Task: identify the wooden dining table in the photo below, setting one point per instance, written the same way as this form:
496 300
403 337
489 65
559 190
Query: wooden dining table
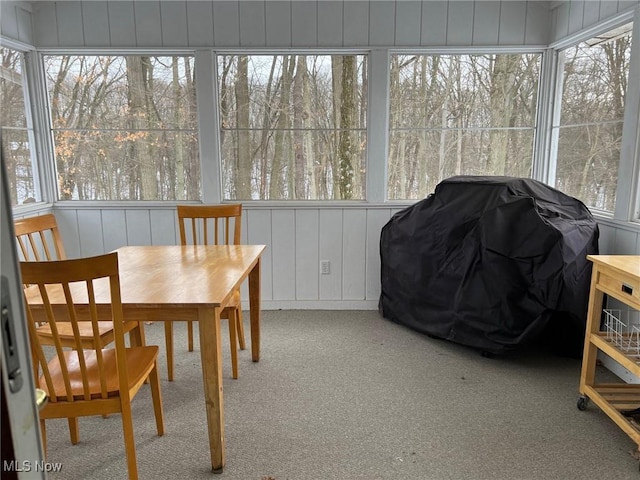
194 282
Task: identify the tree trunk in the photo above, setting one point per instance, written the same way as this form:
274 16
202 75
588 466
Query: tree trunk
347 114
502 97
299 116
138 118
243 179
179 187
276 185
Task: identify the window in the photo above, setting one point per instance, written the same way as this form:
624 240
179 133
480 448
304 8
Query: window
124 127
589 130
459 115
293 127
16 130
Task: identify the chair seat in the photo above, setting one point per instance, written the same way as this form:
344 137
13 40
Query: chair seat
140 361
65 332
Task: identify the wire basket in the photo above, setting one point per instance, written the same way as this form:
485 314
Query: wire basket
622 328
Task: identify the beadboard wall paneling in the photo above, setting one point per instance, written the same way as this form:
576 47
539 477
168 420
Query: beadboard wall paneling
122 24
297 23
200 22
356 18
252 23
297 240
304 23
486 29
164 227
278 23
330 249
259 232
460 23
283 253
330 23
115 222
408 23
90 232
608 8
25 26
175 30
69 23
591 12
9 20
226 24
148 24
513 23
576 15
93 20
538 27
354 261
307 259
15 22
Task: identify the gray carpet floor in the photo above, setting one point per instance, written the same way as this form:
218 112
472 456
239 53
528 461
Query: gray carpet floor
350 395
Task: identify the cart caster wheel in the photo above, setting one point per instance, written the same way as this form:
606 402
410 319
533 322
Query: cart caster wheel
582 402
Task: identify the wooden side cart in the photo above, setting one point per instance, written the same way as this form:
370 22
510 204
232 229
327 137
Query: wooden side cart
616 333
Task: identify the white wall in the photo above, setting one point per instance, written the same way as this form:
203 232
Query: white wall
305 23
297 239
15 21
570 17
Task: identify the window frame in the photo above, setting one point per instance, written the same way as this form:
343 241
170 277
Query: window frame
47 128
536 165
218 177
31 105
627 205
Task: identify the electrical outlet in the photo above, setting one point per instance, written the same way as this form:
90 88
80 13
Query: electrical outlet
325 267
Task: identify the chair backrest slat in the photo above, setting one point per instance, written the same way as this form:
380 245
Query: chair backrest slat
39 238
226 220
65 291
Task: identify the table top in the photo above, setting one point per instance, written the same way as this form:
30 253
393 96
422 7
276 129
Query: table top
179 276
626 264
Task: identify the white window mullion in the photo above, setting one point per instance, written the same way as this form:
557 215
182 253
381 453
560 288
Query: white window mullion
628 191
378 126
554 118
208 128
45 176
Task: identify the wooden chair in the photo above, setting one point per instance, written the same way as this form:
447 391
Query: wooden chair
211 225
38 240
83 381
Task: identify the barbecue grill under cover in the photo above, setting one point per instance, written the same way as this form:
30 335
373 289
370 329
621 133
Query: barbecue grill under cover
491 262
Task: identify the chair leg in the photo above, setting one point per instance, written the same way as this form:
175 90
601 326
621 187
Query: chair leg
156 395
240 327
136 336
168 340
74 430
129 442
233 342
190 335
43 434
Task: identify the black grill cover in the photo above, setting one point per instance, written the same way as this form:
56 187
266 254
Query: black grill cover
491 262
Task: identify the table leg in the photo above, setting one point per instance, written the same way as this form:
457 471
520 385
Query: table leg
254 310
211 357
136 336
588 372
